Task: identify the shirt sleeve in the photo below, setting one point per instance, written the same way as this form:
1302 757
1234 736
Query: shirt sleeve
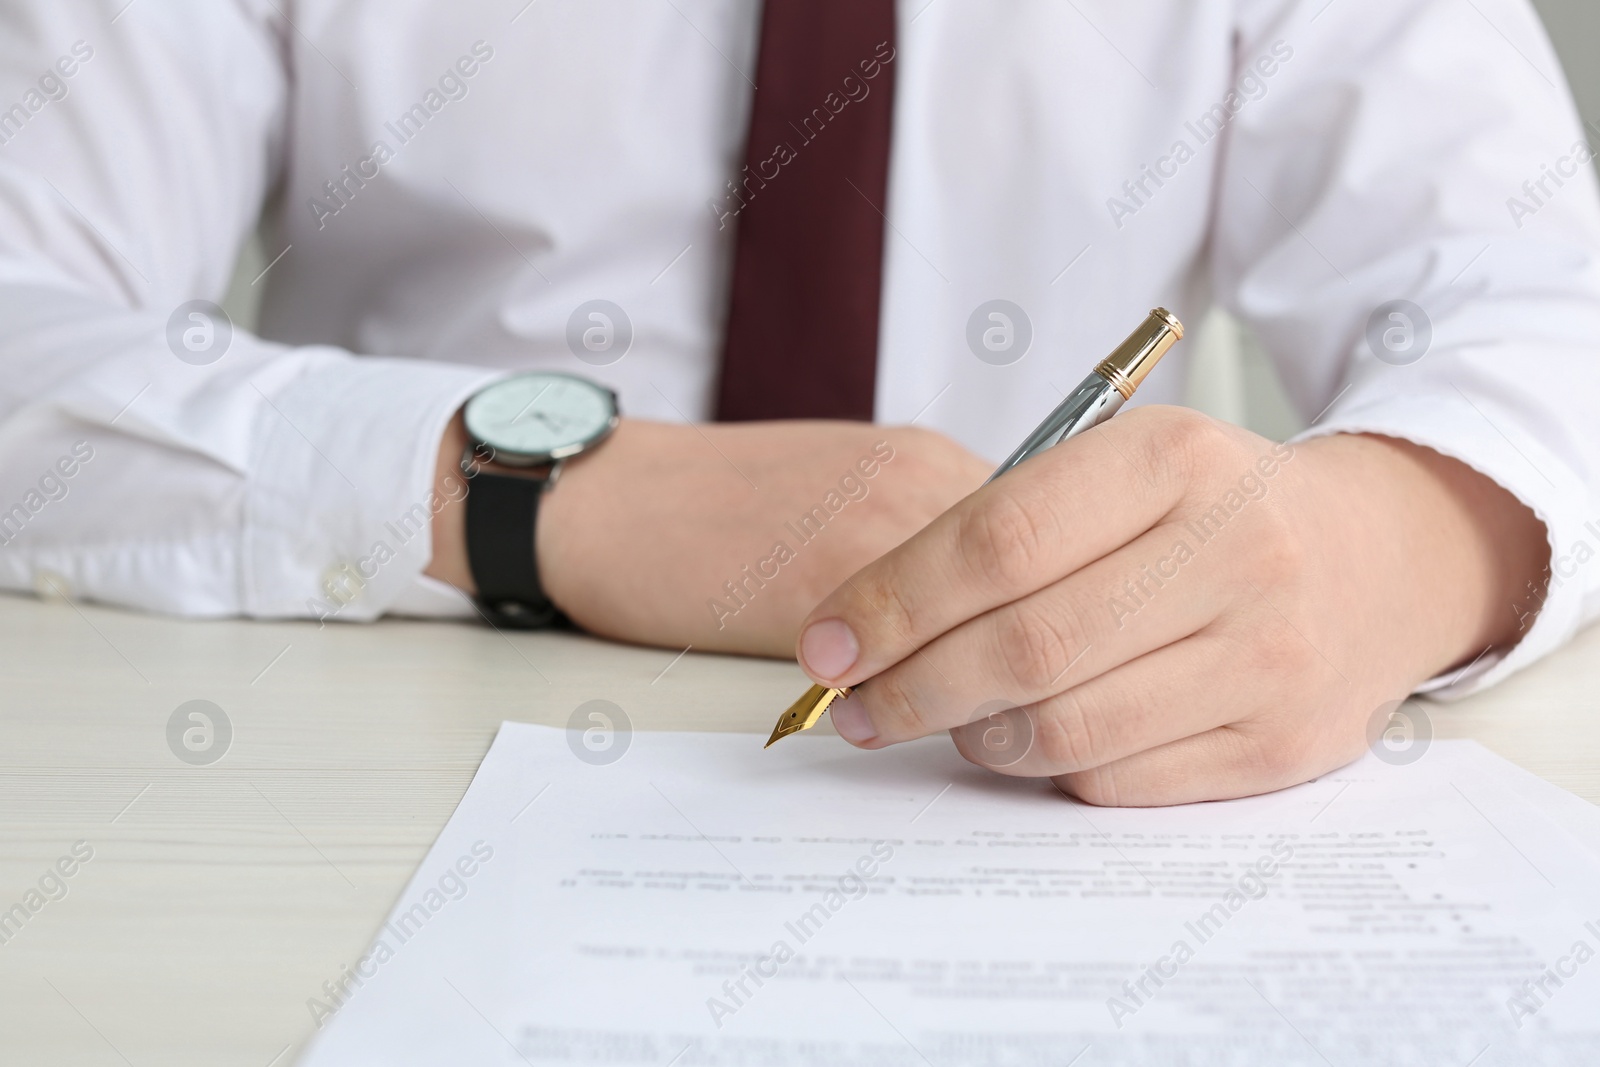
1408 219
150 454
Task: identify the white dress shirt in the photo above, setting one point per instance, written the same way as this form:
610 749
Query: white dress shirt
1300 163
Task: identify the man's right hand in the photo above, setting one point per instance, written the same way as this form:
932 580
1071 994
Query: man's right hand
642 539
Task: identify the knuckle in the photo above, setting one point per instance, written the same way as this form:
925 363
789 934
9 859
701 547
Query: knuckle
1003 541
929 457
1065 736
1036 645
1279 549
1097 786
894 707
1277 756
918 439
888 609
927 446
1280 658
1181 440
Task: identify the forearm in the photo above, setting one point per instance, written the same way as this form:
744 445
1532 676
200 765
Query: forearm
660 535
269 482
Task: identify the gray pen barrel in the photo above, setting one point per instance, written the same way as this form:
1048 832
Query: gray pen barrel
1091 403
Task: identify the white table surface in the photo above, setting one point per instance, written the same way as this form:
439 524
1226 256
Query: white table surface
221 897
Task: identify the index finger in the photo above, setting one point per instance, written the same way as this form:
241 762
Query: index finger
1043 520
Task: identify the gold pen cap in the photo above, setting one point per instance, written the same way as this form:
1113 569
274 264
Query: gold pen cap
1126 367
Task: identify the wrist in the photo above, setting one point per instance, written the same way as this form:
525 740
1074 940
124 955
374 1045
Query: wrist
1452 551
449 561
580 517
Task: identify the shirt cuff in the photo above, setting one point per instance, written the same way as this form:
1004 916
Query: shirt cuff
1502 452
429 598
340 502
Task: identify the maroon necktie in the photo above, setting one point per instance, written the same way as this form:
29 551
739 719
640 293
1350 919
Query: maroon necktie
802 338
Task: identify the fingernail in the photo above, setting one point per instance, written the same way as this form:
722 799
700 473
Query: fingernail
850 719
828 648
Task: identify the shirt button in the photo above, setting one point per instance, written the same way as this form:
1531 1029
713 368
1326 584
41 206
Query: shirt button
342 582
51 585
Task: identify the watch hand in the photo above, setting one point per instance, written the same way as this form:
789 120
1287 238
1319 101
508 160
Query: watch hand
542 417
518 416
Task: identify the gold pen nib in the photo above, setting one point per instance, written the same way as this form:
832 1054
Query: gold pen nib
804 713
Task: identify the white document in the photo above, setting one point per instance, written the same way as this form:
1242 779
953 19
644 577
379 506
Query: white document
700 901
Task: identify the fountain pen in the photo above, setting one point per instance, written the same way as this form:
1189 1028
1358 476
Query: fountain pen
1095 400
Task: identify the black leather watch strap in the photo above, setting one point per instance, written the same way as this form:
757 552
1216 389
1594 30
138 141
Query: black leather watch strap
502 515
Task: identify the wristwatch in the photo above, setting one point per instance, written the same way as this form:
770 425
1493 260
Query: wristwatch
521 430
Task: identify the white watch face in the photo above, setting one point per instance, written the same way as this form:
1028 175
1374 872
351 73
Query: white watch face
540 416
